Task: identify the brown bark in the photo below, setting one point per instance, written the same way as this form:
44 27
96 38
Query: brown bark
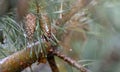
22 59
71 61
52 63
19 60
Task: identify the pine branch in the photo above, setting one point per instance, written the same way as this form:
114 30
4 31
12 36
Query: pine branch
22 59
52 63
19 60
70 61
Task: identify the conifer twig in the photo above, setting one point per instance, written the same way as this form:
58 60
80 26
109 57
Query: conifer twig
52 63
70 61
22 59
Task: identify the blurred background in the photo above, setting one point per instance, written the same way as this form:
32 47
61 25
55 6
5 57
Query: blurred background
91 36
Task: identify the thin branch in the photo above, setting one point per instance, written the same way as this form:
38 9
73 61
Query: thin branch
45 25
52 63
37 6
70 61
22 59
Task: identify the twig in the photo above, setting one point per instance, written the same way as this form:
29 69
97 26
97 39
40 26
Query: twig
37 6
70 61
52 63
22 59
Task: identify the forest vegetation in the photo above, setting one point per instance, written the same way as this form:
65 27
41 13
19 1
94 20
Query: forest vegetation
59 35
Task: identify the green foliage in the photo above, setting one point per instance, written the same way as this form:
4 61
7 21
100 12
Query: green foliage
103 34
